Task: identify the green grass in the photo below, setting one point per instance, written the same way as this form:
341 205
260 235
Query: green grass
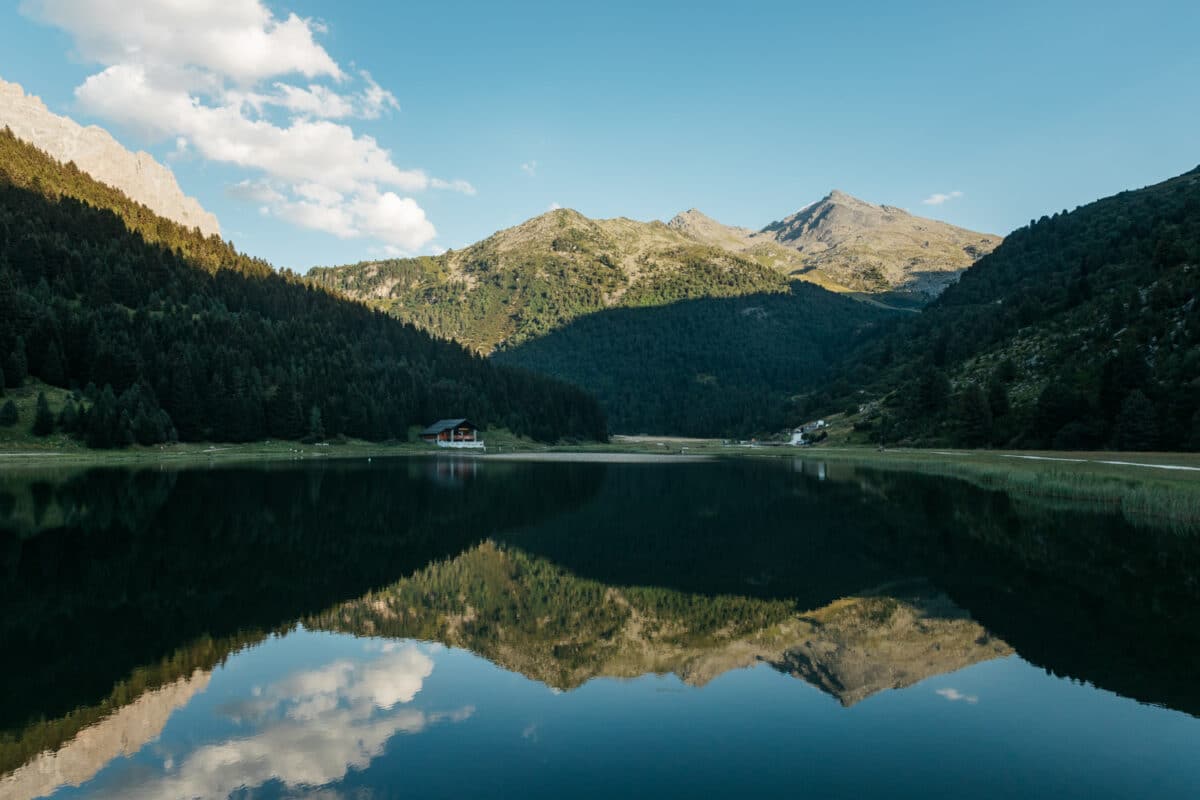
1143 495
20 436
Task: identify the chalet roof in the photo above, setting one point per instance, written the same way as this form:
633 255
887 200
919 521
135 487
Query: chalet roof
447 424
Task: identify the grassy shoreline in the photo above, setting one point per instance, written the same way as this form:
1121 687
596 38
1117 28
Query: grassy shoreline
194 453
1172 466
1145 486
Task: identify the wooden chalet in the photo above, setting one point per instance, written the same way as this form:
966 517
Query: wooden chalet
453 433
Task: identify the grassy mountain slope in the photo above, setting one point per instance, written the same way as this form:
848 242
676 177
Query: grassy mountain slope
523 282
715 366
183 336
1079 331
655 318
846 244
526 281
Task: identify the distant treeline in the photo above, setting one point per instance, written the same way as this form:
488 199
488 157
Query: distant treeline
1080 331
169 334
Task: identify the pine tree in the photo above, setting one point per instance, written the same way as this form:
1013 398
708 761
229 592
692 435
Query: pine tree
68 418
974 416
53 371
16 367
316 429
43 420
1136 429
102 417
933 390
286 419
8 414
998 399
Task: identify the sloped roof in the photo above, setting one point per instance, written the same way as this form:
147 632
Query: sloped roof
445 425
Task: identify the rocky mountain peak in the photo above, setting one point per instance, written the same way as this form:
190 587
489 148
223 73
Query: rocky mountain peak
97 153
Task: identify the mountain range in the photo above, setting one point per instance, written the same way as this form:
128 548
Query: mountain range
530 616
526 281
1077 331
845 244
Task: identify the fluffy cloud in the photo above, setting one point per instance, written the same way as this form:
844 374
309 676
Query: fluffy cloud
937 198
530 168
214 76
239 39
310 729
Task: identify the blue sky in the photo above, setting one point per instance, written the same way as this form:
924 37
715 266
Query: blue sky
746 111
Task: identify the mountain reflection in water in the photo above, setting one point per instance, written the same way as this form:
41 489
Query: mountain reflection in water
201 632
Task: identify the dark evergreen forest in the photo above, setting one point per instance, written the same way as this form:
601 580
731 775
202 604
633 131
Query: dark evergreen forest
709 367
1080 331
167 334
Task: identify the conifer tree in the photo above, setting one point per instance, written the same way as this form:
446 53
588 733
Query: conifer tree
1136 429
68 418
316 429
8 414
16 367
43 420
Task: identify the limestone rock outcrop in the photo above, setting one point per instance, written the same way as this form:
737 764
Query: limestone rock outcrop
97 153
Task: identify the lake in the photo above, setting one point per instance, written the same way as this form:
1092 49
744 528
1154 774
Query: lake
447 627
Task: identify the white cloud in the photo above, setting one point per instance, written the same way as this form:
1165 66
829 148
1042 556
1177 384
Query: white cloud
306 150
310 730
554 206
374 100
455 185
212 75
393 219
316 100
937 198
255 191
322 102
240 39
954 696
530 168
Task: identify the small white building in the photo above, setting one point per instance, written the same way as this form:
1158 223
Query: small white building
800 436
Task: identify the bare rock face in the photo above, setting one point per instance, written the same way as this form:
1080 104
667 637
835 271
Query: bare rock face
97 153
873 248
123 733
849 245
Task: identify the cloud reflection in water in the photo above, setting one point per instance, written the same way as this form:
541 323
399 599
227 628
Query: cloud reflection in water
312 728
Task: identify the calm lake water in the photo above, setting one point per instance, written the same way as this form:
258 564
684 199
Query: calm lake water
434 627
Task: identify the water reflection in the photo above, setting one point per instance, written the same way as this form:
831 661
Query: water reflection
118 735
209 632
307 729
529 616
147 568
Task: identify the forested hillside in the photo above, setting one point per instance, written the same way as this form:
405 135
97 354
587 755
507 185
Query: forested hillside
168 333
1080 331
672 334
708 367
